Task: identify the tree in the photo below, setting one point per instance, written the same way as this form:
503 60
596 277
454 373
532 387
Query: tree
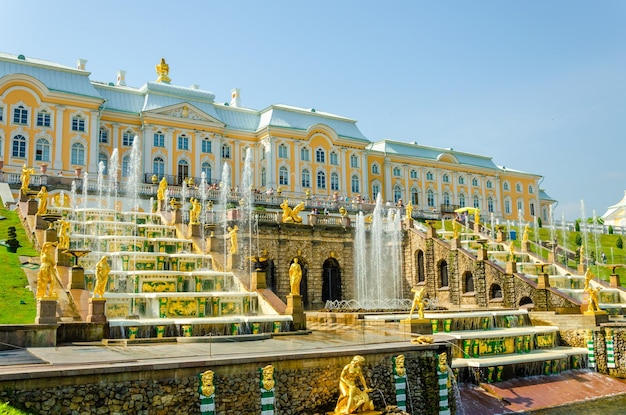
610 229
539 223
578 239
619 243
577 225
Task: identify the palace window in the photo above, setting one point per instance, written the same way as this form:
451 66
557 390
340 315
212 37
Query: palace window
183 142
158 139
18 146
430 196
42 150
263 177
78 123
305 154
78 154
103 135
518 187
306 178
397 193
104 159
283 176
461 180
282 151
127 138
375 190
446 198
505 186
474 182
320 156
443 274
531 189
207 146
20 115
183 170
334 158
321 180
43 119
415 197
490 204
225 151
334 182
158 167
445 178
476 202
461 200
507 207
413 174
1 113
375 169
355 184
429 175
207 170
397 172
489 184
468 282
354 161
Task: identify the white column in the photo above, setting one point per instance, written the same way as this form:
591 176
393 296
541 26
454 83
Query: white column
387 185
365 168
170 165
59 139
93 145
148 144
196 148
271 163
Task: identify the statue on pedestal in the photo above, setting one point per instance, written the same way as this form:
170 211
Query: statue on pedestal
233 239
295 276
48 273
102 277
163 69
418 302
291 215
43 201
25 178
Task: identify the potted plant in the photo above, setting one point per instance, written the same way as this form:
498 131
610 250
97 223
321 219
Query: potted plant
11 242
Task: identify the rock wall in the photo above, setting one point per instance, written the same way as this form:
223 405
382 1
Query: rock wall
303 386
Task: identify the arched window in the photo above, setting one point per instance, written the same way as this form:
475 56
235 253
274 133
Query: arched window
207 170
446 178
375 169
489 184
375 190
158 167
355 184
18 146
334 182
413 174
429 175
490 203
397 193
397 172
320 155
283 176
462 200
421 270
430 197
495 292
42 150
183 170
78 154
518 187
125 166
531 189
354 161
306 178
443 274
103 136
476 202
282 151
446 199
104 159
507 206
474 182
468 282
20 115
505 186
225 151
321 180
461 180
334 158
305 154
127 138
415 197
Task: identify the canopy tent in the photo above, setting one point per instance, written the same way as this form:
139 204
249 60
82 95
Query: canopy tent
616 214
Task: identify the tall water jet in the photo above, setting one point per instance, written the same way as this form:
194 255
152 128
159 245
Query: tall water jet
100 182
377 261
114 164
134 174
224 197
203 216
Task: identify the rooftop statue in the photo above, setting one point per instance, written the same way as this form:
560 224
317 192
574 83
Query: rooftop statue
163 70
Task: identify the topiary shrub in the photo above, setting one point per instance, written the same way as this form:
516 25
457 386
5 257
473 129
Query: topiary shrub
619 243
610 229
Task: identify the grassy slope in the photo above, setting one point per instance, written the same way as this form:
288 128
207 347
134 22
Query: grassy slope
17 304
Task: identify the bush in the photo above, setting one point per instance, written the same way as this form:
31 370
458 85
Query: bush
539 223
12 238
610 229
578 239
619 243
577 226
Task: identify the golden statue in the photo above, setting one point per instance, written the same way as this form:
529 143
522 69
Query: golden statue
43 201
48 273
161 191
268 377
526 232
291 215
423 340
582 254
443 362
233 238
512 253
208 388
399 365
64 237
25 178
194 214
353 399
295 276
418 301
409 210
588 277
593 305
476 216
163 69
342 211
102 277
455 228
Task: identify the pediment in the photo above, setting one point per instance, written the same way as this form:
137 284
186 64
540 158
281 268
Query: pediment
185 111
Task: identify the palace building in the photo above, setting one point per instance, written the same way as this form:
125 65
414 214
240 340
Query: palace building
56 118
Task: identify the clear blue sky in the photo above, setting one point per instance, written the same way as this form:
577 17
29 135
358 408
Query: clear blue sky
539 86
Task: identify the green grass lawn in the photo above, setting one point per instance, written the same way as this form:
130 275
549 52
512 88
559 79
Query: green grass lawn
17 304
5 409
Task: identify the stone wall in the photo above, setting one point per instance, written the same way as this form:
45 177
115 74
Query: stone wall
304 385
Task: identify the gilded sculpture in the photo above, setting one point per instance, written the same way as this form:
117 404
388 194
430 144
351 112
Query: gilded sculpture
161 192
163 70
194 214
64 237
399 368
233 239
102 277
295 276
526 233
25 178
48 273
208 388
291 215
267 381
43 201
593 304
352 398
418 302
409 210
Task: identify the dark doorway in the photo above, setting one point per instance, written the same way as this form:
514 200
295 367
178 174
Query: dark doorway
331 281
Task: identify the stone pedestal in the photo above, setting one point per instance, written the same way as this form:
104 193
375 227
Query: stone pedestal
46 311
417 326
511 267
582 268
500 236
543 281
51 235
213 244
614 281
525 246
481 254
77 278
600 316
477 227
431 232
63 259
31 207
40 223
258 280
96 310
194 229
295 309
551 257
455 243
178 216
408 223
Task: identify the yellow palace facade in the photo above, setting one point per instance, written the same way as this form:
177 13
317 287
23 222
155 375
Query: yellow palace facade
56 119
